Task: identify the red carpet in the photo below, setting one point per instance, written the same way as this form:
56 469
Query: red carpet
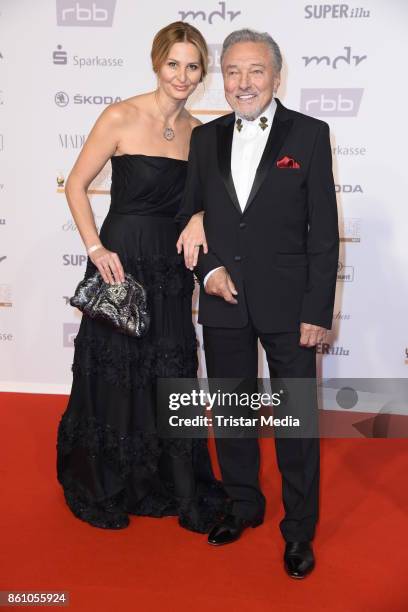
361 543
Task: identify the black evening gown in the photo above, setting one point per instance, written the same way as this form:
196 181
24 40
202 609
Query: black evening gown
110 460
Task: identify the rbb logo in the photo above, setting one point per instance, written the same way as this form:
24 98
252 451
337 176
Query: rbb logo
331 102
74 260
89 13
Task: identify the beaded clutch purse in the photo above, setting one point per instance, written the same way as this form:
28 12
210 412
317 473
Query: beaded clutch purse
123 306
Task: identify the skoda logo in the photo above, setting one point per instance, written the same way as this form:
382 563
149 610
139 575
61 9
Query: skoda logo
61 98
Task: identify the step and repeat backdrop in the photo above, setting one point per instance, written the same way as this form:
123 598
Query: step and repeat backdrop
63 61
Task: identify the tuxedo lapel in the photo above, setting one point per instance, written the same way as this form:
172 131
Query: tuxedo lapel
224 144
282 122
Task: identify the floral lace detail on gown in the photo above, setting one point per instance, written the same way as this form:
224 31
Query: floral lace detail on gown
110 460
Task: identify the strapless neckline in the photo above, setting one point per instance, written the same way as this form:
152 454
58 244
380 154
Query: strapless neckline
147 184
184 161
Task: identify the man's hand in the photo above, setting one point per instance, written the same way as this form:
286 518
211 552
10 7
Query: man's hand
310 335
220 284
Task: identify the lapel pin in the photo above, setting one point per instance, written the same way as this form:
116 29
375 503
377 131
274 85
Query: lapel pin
263 123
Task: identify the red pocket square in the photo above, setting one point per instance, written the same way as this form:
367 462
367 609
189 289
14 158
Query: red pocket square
287 162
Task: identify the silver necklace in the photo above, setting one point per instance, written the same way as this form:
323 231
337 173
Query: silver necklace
168 132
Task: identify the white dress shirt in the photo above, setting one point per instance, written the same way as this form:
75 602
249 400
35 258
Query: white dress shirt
248 145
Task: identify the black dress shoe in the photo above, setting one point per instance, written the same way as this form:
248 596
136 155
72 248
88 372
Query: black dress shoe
299 559
229 529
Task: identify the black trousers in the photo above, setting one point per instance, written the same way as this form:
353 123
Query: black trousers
233 353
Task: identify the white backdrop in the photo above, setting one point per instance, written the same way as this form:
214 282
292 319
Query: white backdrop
62 61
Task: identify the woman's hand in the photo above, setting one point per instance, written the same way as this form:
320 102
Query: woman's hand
191 239
108 264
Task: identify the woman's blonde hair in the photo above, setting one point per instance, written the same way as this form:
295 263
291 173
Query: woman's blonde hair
176 32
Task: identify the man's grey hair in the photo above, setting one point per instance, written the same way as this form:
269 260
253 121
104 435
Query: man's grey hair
247 35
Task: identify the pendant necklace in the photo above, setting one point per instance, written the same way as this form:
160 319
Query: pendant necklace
168 132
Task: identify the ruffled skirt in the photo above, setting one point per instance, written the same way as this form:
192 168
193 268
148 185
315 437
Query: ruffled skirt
110 460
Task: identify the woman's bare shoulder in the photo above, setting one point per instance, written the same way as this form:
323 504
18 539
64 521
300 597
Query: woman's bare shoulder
128 110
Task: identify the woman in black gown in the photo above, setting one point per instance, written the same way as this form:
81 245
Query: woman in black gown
110 460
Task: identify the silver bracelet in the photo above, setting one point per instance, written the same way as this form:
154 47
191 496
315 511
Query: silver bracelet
93 248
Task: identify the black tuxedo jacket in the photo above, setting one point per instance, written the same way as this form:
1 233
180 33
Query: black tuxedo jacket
282 250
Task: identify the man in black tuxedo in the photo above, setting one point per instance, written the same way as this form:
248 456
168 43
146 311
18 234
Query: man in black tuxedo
263 177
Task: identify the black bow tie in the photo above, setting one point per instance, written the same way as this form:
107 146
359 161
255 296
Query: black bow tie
263 123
